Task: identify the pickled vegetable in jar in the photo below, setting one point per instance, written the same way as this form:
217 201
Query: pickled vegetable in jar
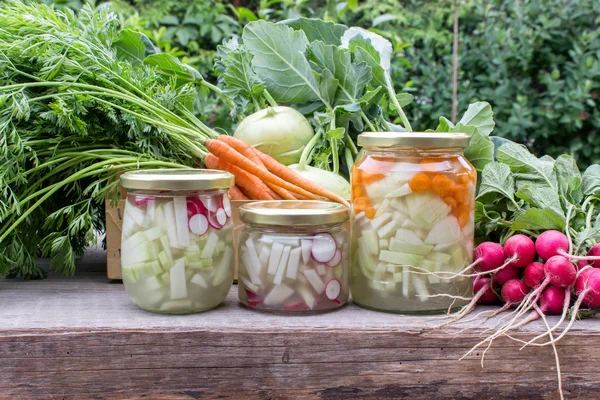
413 200
177 251
294 256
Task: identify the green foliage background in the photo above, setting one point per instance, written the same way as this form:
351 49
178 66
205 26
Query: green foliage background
537 62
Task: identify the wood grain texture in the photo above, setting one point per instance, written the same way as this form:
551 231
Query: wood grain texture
81 337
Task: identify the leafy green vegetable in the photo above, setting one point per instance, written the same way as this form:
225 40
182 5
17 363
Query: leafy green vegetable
317 29
536 219
591 180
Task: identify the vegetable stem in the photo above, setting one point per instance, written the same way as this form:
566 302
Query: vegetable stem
269 98
394 100
307 150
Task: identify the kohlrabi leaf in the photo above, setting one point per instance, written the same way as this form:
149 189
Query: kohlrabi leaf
171 66
526 167
536 219
498 141
280 62
480 151
328 86
352 78
541 196
591 180
497 178
445 125
569 179
317 29
480 116
364 52
239 79
404 99
133 46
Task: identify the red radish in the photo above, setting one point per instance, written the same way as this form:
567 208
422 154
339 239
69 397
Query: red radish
514 291
506 274
520 249
551 243
227 205
487 296
595 252
141 200
324 248
333 289
198 224
583 282
534 274
488 256
581 264
336 260
552 300
559 271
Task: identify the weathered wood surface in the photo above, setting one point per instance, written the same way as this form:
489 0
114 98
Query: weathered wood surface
81 338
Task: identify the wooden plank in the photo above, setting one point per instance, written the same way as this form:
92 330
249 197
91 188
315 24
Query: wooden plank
81 337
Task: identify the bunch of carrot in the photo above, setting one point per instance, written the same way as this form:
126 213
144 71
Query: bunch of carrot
259 176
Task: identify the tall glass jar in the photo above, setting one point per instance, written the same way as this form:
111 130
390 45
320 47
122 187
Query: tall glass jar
413 200
177 239
294 256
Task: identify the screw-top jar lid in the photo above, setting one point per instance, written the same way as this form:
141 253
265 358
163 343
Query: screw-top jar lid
294 213
414 139
177 179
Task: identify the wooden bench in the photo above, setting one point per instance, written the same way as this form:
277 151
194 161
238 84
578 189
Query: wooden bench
81 337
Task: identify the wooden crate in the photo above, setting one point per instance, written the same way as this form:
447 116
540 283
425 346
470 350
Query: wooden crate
114 219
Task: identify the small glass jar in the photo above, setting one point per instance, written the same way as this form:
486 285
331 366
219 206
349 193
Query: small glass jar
177 239
294 256
413 200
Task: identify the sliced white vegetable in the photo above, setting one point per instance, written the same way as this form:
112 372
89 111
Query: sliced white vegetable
321 269
221 216
400 246
287 240
445 246
224 267
315 281
293 263
400 192
249 285
136 214
400 205
377 222
134 240
172 226
150 210
384 244
181 221
420 288
371 241
199 280
227 205
250 269
399 258
307 296
408 236
333 289
152 284
387 230
409 224
282 265
210 245
323 248
198 224
405 280
178 282
278 295
255 262
383 207
306 248
336 259
438 257
276 252
263 257
445 231
164 241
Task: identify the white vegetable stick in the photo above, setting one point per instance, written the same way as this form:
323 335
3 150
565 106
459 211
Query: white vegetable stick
282 264
181 219
276 251
199 280
307 296
287 240
134 240
136 214
314 279
383 207
400 192
210 245
405 278
150 210
293 263
224 267
321 269
263 257
386 230
420 288
152 234
251 286
164 241
249 269
253 256
306 248
278 295
171 226
178 282
379 221
408 236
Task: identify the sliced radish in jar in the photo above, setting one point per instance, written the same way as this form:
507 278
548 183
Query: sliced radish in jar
198 224
221 216
336 260
195 206
227 205
333 289
213 221
323 247
211 203
141 200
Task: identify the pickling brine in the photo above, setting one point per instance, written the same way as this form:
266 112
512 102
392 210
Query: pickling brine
177 245
413 226
294 256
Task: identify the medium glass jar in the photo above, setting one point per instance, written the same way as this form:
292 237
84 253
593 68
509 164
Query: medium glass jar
294 256
177 239
413 200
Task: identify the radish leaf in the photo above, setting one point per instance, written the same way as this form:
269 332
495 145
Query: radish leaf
538 219
591 180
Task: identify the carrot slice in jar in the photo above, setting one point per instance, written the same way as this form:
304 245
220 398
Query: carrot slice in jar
370 212
420 183
442 185
463 219
461 192
360 204
451 201
368 178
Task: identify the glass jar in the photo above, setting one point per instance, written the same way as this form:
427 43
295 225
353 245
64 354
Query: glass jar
177 239
294 256
413 198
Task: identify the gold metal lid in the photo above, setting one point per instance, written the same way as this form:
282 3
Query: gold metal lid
294 213
414 139
177 179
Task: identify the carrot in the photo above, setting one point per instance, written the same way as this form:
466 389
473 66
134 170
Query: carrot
307 187
451 201
236 194
370 212
461 193
463 178
248 151
442 185
252 187
368 178
420 183
232 156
